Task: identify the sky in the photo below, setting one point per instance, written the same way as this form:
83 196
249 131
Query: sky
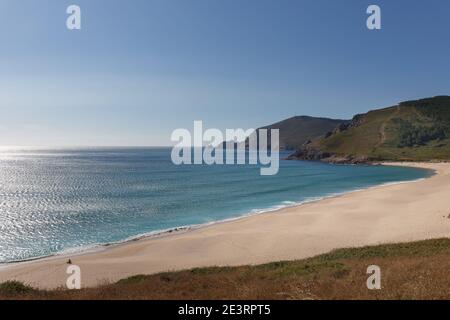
139 69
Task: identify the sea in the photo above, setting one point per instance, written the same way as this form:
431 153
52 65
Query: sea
69 200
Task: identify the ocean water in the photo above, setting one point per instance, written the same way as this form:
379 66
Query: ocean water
64 200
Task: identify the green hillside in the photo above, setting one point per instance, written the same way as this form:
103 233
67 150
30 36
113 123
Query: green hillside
295 131
411 130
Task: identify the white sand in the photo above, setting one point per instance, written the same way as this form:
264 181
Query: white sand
401 212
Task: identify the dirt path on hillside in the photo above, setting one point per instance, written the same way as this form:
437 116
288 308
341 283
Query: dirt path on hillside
383 127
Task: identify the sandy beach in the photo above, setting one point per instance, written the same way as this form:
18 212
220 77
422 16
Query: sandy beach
385 214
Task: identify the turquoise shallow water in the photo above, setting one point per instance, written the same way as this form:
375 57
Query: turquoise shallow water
64 200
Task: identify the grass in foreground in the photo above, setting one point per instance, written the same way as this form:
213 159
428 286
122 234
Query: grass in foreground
417 270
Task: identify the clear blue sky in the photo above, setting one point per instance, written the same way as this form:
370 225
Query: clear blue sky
139 69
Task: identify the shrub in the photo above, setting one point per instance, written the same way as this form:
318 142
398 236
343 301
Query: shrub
14 288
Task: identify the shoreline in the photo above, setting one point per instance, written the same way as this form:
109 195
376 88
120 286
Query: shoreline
118 258
157 234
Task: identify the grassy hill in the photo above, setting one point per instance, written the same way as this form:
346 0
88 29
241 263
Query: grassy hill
416 270
295 131
411 130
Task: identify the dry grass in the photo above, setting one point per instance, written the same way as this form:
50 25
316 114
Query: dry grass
419 270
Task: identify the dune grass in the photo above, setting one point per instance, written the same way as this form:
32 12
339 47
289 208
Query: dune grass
416 270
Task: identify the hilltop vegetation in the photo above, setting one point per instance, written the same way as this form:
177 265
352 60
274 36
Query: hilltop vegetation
411 130
295 131
417 270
